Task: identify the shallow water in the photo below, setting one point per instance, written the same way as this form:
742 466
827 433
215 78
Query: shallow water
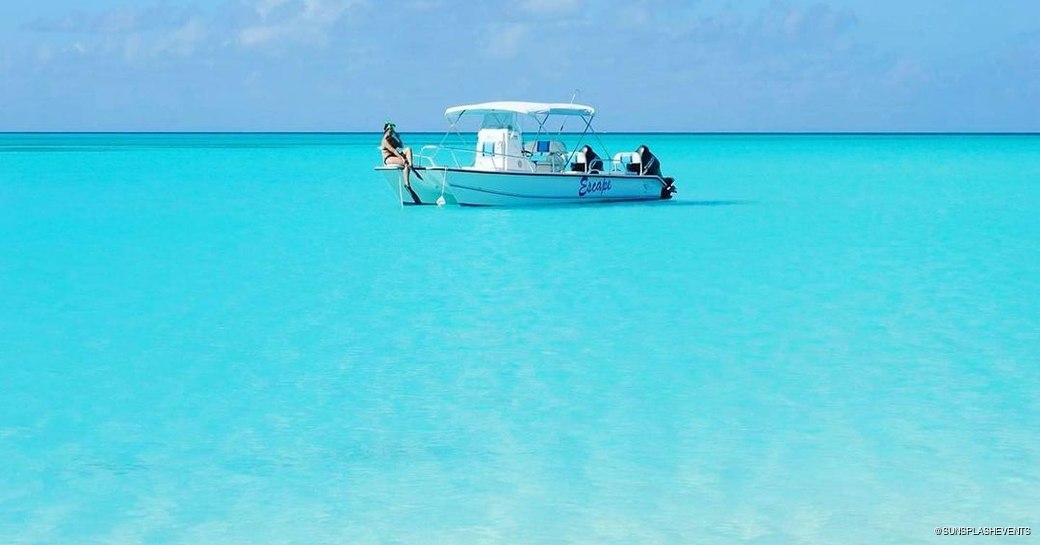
244 339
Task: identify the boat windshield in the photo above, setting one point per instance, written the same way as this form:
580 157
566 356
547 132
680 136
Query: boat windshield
498 120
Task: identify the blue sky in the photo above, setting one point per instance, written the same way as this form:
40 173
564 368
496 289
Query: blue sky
346 65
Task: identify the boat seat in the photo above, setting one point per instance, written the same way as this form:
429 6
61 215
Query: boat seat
624 160
640 162
548 155
544 147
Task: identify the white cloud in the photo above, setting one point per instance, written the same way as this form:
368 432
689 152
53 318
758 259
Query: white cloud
550 6
265 7
504 42
166 28
774 64
44 54
424 5
294 21
258 35
114 21
185 40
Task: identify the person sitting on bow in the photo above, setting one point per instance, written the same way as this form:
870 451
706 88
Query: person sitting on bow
395 153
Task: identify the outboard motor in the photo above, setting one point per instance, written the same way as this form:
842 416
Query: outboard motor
586 160
649 165
593 160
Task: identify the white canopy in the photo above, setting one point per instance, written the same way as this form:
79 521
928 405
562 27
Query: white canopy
525 108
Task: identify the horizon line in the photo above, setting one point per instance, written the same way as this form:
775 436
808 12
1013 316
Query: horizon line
705 133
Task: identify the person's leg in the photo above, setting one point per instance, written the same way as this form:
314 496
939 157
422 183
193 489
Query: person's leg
394 160
407 166
407 174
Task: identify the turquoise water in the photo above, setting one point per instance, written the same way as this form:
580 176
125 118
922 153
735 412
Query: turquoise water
244 339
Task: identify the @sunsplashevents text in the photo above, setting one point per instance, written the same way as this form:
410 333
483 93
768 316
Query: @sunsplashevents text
983 531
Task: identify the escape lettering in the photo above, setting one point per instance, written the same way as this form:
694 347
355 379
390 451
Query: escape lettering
588 187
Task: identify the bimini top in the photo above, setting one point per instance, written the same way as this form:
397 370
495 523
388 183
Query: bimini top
525 108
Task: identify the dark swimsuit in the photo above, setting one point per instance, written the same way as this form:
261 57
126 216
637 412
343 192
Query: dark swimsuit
394 141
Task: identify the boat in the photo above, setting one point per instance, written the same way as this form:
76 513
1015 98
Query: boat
510 167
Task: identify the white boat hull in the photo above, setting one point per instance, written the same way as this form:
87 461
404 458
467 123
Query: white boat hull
425 190
471 187
498 188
